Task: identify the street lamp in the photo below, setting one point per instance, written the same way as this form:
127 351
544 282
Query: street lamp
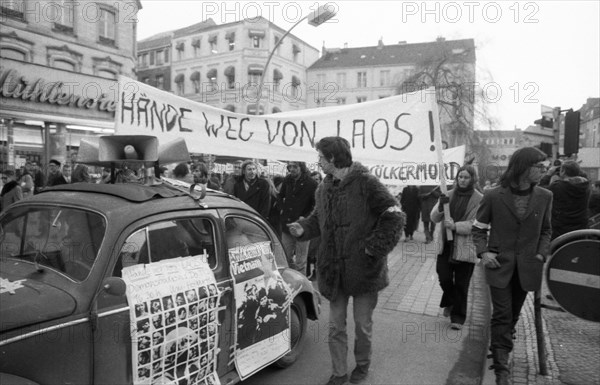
315 18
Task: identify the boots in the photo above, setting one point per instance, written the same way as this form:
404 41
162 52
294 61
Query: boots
500 366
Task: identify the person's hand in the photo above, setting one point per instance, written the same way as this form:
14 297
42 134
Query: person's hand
449 224
540 258
489 260
295 229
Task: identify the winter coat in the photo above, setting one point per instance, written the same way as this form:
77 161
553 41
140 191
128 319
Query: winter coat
353 215
27 185
11 193
258 195
463 240
569 205
429 196
517 241
296 199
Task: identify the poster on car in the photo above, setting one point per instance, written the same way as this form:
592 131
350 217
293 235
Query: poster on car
173 309
262 301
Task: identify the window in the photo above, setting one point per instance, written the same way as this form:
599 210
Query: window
180 47
159 58
146 80
361 80
230 37
180 84
167 55
230 75
152 58
256 36
62 14
107 26
241 232
64 64
361 99
295 51
256 42
169 240
195 78
276 41
341 100
341 80
160 82
384 78
212 41
277 76
196 46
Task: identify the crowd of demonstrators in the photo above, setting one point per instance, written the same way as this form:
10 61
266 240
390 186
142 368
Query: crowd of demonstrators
411 205
253 190
512 232
359 223
296 200
456 258
429 196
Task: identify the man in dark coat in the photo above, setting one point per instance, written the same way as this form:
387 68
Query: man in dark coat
55 177
570 199
296 199
411 205
252 190
359 223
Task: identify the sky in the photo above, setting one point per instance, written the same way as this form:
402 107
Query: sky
529 53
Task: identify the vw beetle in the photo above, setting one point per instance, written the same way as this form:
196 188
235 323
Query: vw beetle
66 317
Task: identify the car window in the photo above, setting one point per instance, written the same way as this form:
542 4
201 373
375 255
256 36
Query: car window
168 240
63 239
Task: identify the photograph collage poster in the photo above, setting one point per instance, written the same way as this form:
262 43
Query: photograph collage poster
173 308
262 306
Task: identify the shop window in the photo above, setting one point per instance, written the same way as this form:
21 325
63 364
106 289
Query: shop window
107 26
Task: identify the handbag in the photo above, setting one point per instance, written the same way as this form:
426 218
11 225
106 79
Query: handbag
468 255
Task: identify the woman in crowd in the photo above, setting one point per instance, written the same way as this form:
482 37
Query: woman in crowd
456 258
517 216
253 190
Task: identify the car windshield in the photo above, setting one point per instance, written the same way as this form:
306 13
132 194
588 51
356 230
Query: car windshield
63 239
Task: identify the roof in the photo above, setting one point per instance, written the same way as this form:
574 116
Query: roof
156 41
394 54
129 191
191 29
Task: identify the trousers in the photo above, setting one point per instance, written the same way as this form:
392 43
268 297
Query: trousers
507 303
296 252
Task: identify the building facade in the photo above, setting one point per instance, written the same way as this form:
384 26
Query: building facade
222 65
154 61
59 64
357 75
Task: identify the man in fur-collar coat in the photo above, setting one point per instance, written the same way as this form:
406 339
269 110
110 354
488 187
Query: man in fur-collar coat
359 223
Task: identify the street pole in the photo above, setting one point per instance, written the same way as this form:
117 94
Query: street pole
556 130
316 18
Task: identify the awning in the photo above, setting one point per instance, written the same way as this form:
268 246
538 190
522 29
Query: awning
256 33
277 75
276 110
230 71
251 110
196 42
230 107
195 76
212 73
295 49
255 69
295 81
180 46
230 35
179 78
212 38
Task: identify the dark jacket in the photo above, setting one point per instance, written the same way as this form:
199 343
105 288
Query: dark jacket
56 179
516 241
11 193
351 216
258 195
569 205
296 199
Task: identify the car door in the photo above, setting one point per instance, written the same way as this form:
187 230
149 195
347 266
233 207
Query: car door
155 240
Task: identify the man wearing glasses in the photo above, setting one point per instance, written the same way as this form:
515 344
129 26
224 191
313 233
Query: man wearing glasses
55 176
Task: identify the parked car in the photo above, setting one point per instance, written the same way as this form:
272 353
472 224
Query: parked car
65 318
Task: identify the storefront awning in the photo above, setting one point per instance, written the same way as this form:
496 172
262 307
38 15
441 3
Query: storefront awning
195 76
255 69
196 42
230 36
277 75
295 81
212 38
212 73
230 71
180 46
179 78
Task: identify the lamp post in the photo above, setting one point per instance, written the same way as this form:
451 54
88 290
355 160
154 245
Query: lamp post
315 18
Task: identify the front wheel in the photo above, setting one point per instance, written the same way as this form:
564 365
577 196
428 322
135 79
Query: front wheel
298 323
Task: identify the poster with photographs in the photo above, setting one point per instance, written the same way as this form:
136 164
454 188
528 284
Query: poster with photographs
262 301
173 307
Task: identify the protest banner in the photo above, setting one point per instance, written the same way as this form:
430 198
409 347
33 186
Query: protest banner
393 130
173 306
262 301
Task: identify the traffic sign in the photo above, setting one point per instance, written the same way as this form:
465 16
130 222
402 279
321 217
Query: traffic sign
573 277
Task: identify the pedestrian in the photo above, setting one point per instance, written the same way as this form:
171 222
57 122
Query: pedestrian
570 199
456 258
182 172
231 178
11 190
38 177
55 176
252 190
80 174
26 180
296 199
429 196
66 171
359 223
517 216
314 243
411 205
316 175
275 212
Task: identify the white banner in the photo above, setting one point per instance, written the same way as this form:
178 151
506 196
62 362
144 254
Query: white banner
393 130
